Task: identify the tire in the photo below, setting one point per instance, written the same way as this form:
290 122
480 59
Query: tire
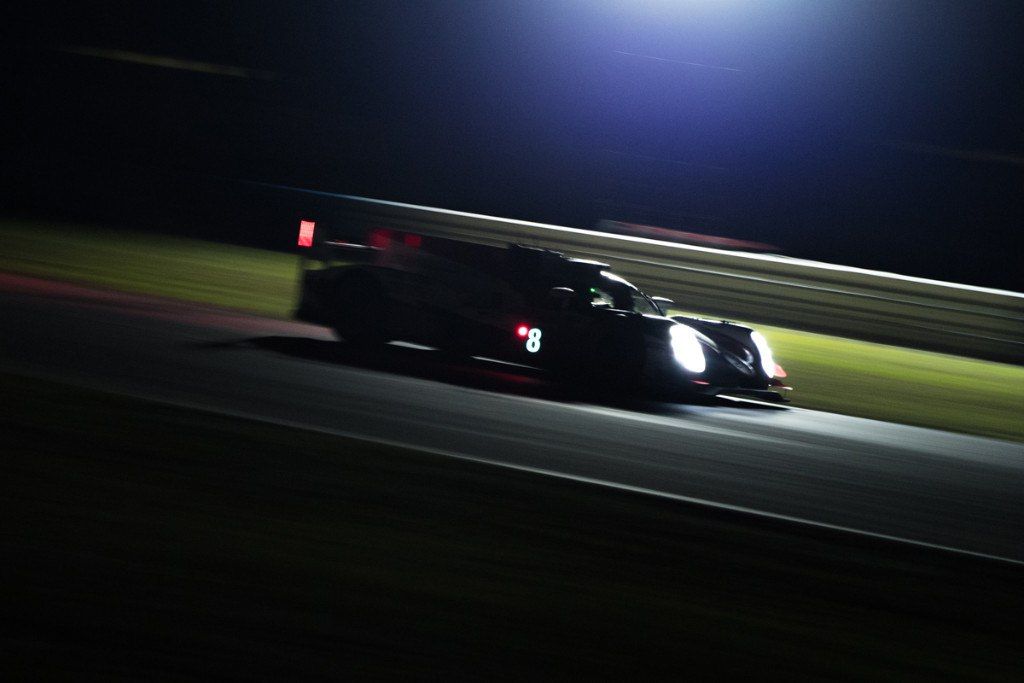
360 311
456 345
625 356
608 359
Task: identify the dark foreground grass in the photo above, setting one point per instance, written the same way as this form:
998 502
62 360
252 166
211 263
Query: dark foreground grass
145 541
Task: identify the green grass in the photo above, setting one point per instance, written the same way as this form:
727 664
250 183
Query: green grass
902 385
239 277
144 541
897 384
829 373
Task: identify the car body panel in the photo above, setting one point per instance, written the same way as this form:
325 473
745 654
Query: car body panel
478 300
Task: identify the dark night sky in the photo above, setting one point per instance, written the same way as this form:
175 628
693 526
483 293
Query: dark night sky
878 134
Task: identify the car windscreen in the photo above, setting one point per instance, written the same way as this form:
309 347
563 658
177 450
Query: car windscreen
610 291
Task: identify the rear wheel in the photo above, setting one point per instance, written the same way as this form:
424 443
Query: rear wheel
360 310
455 350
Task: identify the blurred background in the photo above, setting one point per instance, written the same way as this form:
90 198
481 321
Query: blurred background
883 135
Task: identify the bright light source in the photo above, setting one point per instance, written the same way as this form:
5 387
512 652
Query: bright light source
522 331
765 351
306 229
686 348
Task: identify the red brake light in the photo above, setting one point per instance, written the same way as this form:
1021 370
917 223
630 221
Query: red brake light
522 331
306 229
379 238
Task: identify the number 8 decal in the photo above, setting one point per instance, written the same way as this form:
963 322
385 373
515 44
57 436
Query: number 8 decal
533 340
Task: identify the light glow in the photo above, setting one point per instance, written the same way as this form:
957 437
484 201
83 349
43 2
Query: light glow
522 331
765 352
379 238
686 348
306 229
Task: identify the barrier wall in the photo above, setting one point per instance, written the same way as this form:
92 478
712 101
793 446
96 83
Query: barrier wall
758 288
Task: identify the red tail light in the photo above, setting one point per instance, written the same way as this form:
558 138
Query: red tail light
379 237
306 229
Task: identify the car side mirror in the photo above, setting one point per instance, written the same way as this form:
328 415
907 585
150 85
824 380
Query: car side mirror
561 295
663 303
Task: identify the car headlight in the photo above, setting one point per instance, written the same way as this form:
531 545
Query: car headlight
687 349
765 352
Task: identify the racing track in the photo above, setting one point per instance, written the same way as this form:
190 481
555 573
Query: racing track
923 485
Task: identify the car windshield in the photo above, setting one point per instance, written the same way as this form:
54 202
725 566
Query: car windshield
611 291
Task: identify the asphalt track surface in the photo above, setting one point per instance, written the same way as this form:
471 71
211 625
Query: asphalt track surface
926 486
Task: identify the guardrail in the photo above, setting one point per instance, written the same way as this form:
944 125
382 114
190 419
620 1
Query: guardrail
774 290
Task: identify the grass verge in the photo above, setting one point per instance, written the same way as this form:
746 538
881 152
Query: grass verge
902 385
147 541
257 280
829 373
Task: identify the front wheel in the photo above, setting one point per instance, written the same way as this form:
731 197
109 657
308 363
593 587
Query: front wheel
608 358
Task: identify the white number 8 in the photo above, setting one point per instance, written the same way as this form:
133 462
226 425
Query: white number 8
533 340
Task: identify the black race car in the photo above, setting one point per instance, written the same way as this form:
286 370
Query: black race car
571 317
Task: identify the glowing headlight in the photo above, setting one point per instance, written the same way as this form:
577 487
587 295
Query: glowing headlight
686 348
765 351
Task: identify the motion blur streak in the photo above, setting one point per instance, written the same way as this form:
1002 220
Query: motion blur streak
677 61
169 62
991 156
765 260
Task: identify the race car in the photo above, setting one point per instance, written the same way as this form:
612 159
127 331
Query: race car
570 317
